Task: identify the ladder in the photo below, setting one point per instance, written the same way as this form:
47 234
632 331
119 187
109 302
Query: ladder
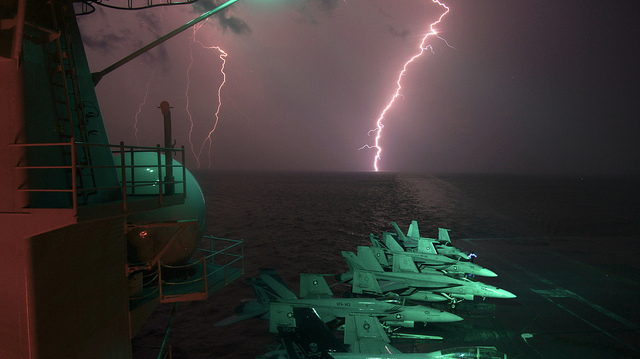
71 116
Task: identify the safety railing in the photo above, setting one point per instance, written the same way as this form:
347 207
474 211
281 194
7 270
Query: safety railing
230 258
217 265
148 288
134 182
221 262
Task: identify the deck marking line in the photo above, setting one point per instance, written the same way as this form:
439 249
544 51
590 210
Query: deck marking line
559 291
545 295
571 294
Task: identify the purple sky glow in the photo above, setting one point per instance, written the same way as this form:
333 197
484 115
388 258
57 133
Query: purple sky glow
548 87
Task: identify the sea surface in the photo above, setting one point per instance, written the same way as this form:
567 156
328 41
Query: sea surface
300 222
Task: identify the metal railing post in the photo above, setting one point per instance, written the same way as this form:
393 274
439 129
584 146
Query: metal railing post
160 199
159 280
204 271
184 175
74 173
133 172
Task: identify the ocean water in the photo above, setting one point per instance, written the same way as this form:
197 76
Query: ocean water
300 222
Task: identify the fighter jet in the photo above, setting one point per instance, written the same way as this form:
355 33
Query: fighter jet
414 242
276 302
364 338
426 259
367 277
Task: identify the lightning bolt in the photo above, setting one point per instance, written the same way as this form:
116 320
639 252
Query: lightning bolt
422 48
144 102
223 57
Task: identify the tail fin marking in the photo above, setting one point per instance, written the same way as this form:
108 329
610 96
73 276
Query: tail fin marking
368 259
380 256
365 282
426 246
314 286
402 263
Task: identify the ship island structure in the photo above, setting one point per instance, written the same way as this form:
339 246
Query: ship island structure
94 234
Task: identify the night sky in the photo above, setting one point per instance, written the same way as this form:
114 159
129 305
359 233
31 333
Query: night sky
532 87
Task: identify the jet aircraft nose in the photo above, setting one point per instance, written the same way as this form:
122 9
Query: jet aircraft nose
426 314
484 272
501 293
507 294
447 317
489 291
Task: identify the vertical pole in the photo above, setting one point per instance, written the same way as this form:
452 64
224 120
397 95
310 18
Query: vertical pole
160 295
184 174
74 174
16 46
168 145
160 180
204 274
132 165
166 332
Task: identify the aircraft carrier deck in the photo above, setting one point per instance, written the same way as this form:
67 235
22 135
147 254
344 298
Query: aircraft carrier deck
577 298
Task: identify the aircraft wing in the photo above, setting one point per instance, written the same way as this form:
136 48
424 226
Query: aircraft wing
392 286
365 335
249 310
235 319
325 314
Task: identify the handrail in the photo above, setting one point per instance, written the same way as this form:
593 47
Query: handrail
128 184
200 284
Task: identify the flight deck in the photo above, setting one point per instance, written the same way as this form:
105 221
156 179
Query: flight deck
577 297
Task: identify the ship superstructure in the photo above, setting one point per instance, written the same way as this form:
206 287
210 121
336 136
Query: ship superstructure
94 234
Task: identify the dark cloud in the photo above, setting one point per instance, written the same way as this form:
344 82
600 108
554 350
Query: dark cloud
311 10
151 21
225 20
158 56
325 5
103 41
399 33
235 24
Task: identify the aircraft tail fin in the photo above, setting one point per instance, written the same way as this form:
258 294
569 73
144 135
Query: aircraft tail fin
368 259
380 256
443 235
413 231
426 246
310 338
353 262
365 335
314 286
376 241
269 286
402 263
401 235
365 282
391 243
